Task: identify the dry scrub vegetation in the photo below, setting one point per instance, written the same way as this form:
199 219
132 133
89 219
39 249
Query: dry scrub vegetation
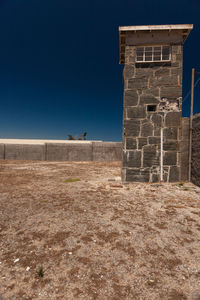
67 231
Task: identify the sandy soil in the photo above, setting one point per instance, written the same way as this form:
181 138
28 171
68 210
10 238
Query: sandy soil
95 238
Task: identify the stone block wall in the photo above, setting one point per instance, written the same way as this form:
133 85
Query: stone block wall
195 167
2 151
185 149
147 85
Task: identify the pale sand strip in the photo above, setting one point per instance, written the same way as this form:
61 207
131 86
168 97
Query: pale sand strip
41 142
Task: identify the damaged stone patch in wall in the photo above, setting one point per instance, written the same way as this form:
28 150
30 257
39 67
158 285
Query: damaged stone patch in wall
166 105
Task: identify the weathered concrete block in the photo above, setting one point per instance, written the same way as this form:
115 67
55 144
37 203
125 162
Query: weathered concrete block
184 145
154 140
148 99
138 112
177 71
171 92
129 50
131 59
142 142
130 98
107 151
171 145
164 81
144 71
174 174
184 166
176 49
195 167
146 128
157 120
176 64
123 174
156 131
2 151
69 152
151 91
170 158
129 71
131 143
137 175
137 83
170 133
179 57
25 152
155 178
173 119
132 158
150 156
132 127
162 72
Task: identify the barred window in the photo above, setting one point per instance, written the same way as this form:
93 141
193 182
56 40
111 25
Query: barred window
152 54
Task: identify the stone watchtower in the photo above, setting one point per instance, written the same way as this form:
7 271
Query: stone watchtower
152 101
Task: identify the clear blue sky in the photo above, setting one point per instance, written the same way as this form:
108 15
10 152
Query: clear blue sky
59 63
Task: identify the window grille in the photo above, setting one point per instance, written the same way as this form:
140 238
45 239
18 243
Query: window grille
153 54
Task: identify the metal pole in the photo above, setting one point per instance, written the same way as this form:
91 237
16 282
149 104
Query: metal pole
161 154
191 118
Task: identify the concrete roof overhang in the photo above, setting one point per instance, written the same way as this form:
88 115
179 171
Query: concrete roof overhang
183 29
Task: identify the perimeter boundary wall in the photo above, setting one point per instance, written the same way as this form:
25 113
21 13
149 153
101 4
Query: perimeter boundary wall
195 164
93 151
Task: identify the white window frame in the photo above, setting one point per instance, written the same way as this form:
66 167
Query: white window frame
151 61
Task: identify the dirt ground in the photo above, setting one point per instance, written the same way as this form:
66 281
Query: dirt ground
95 238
